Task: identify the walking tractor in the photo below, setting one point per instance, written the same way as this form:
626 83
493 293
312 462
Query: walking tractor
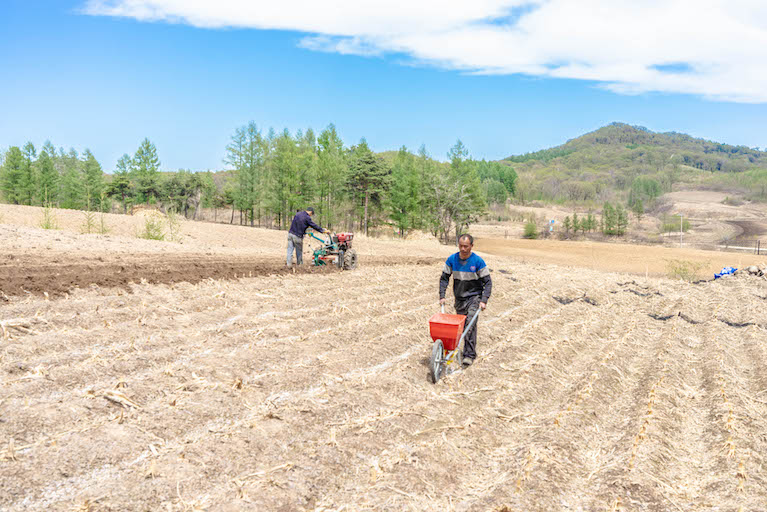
336 250
448 333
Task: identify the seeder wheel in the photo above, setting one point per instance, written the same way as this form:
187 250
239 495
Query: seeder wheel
436 362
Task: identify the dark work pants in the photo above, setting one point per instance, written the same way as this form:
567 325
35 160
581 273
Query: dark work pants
468 307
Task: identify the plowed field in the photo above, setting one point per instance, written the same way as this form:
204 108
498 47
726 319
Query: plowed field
309 391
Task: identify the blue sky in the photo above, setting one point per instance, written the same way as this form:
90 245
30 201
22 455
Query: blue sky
84 76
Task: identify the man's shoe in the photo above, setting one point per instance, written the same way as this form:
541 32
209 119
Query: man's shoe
467 361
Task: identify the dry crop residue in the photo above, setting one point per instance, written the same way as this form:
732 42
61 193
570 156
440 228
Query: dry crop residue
311 392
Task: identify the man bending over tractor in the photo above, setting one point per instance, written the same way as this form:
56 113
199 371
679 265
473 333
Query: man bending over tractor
301 222
471 286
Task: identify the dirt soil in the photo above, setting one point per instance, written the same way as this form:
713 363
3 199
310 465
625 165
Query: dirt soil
749 230
58 273
310 391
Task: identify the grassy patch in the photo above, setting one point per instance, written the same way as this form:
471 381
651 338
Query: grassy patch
531 231
153 229
685 270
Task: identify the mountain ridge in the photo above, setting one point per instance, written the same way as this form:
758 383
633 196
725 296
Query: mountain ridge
603 165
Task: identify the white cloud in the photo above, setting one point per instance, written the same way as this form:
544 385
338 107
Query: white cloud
711 48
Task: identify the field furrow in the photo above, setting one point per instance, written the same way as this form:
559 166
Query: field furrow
311 392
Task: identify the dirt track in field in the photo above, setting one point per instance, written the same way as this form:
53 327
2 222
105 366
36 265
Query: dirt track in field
748 230
307 392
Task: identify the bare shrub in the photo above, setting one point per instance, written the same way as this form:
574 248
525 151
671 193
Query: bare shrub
49 220
733 201
174 225
660 206
103 228
517 215
89 222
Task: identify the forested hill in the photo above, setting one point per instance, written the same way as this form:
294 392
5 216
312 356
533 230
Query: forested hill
603 164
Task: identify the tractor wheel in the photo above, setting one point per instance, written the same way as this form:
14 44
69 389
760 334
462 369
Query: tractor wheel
350 259
436 364
340 260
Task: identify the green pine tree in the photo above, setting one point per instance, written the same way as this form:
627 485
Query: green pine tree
72 194
145 168
307 168
331 163
28 183
405 193
591 222
609 219
367 179
246 153
428 183
93 180
11 178
621 219
121 185
48 185
466 201
284 184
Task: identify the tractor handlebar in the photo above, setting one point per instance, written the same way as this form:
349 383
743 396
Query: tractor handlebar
317 238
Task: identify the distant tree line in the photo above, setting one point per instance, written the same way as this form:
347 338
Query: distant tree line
60 178
271 175
66 179
354 188
613 221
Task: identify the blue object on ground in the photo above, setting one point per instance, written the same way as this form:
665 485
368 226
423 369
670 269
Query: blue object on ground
725 271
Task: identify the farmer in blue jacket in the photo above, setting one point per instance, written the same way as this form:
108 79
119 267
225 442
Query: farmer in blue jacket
471 287
301 222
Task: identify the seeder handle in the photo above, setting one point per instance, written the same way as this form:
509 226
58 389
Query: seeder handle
443 308
468 327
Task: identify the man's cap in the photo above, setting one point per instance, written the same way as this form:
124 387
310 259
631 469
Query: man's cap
310 209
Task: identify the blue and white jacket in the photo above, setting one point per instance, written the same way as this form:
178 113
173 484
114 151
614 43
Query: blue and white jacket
470 277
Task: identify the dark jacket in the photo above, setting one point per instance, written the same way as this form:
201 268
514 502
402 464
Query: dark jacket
301 222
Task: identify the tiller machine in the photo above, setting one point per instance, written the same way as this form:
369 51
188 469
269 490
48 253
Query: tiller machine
336 250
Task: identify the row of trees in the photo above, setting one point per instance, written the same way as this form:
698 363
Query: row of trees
351 187
271 176
614 221
70 180
64 179
138 180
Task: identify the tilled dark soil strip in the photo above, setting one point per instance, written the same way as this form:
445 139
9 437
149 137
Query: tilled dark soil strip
23 274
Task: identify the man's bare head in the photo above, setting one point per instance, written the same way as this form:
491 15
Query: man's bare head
465 245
